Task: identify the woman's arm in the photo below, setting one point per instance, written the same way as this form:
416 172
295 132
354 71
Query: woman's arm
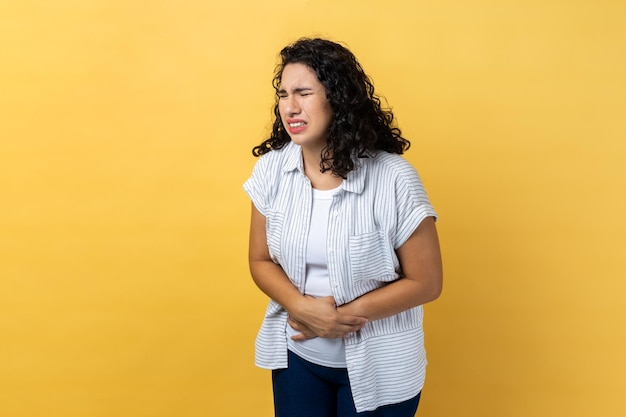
319 315
420 261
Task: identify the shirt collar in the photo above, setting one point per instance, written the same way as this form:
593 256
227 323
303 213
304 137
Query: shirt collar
293 160
355 181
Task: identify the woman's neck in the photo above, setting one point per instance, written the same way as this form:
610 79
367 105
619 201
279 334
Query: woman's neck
312 169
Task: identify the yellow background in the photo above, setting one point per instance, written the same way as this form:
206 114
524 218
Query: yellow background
125 136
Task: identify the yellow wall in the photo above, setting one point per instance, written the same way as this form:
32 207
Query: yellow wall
125 136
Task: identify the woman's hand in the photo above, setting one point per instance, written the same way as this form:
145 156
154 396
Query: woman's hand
305 332
319 317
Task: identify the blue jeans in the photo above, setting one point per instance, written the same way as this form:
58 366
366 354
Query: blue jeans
305 389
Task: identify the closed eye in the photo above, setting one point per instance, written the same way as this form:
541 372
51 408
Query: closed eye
302 92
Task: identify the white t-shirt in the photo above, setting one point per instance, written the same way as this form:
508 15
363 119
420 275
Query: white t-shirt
322 351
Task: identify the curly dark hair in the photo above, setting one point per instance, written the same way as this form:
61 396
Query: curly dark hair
360 125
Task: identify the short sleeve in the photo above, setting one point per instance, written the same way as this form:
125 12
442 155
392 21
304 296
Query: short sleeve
257 186
412 204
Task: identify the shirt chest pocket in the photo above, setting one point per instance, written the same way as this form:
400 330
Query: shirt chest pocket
372 257
274 223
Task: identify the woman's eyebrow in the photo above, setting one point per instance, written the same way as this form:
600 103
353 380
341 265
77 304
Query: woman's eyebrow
295 90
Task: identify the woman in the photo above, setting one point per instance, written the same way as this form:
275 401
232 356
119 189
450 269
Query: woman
343 241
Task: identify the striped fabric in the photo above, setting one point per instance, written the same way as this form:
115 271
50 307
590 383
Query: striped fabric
379 206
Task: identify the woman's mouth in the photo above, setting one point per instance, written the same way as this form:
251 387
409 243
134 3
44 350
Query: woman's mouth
296 126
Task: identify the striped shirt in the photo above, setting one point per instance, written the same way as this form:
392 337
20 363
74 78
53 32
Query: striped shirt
380 205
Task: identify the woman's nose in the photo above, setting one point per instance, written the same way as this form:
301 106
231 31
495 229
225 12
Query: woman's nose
292 105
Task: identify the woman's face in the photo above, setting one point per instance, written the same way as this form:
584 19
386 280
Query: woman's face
304 109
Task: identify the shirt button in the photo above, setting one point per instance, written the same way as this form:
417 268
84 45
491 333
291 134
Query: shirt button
330 250
336 213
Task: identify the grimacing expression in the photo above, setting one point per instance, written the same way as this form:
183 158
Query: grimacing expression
304 109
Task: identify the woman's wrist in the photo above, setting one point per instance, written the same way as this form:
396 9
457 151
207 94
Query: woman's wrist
353 308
